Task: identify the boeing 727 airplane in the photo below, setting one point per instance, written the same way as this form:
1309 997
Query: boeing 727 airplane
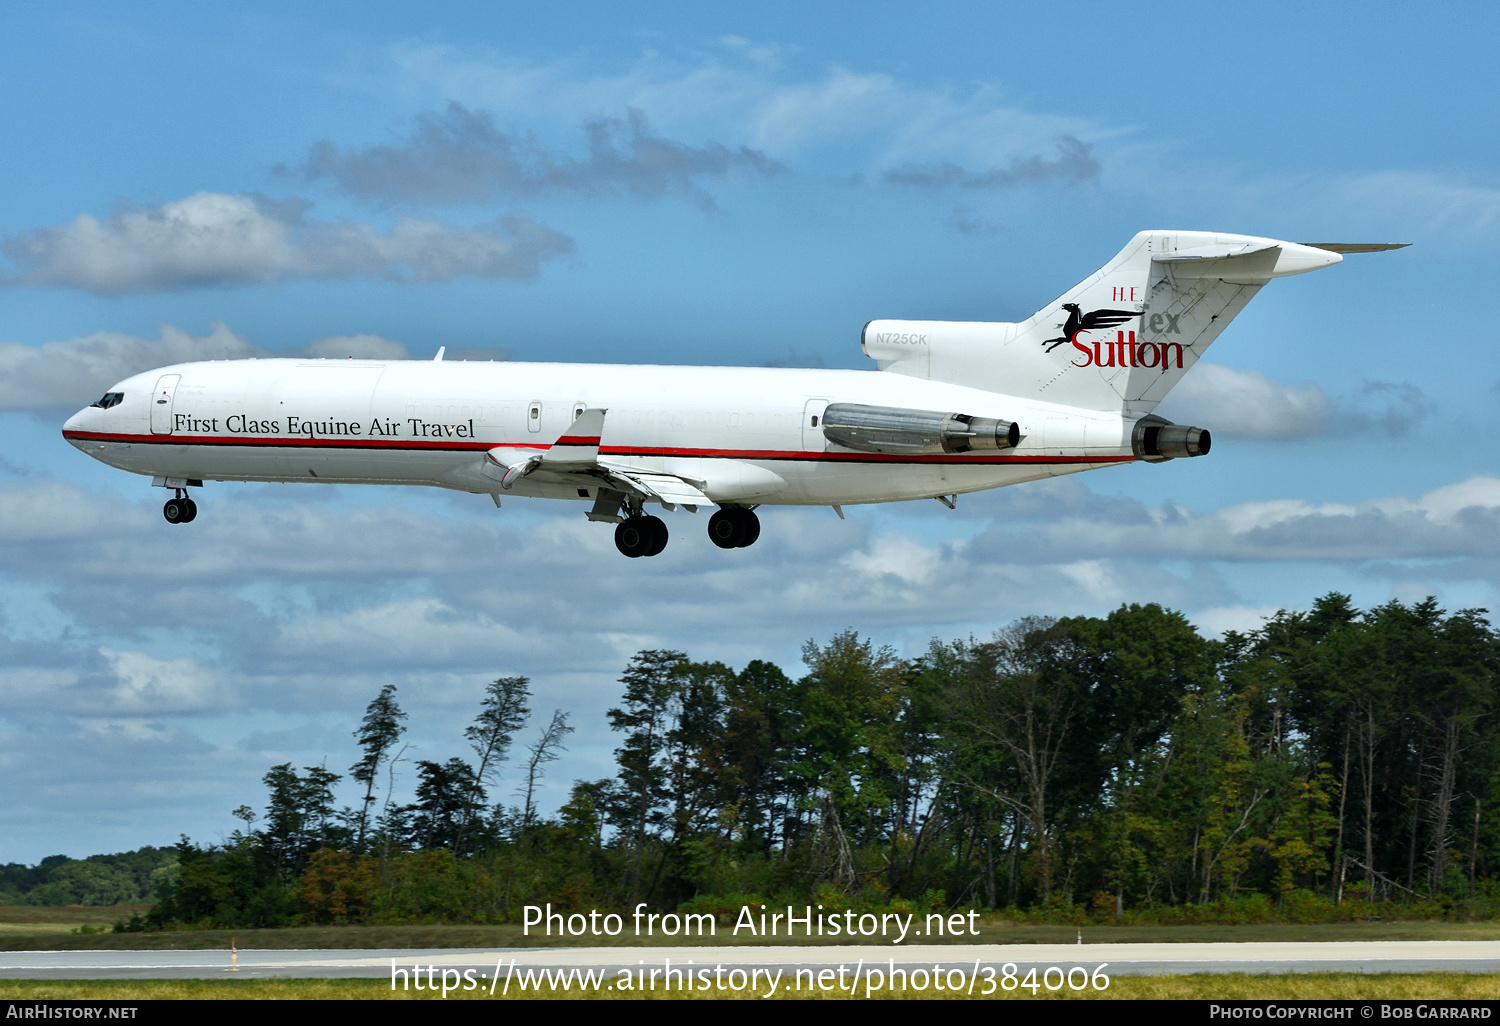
954 407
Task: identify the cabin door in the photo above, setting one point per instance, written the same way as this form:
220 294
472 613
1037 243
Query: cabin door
161 404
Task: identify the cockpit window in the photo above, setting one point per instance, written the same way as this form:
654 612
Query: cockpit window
110 399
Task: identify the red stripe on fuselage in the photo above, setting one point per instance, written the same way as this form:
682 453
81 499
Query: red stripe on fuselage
421 445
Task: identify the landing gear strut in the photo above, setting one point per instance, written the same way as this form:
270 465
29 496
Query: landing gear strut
734 527
641 536
180 509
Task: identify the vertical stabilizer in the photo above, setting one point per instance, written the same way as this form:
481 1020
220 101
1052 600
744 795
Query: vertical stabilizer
1117 341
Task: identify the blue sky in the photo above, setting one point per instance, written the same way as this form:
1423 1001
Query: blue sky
691 183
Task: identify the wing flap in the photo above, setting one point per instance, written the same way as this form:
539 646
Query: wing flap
668 489
574 457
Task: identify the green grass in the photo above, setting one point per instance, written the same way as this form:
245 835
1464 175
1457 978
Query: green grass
51 935
1324 986
34 919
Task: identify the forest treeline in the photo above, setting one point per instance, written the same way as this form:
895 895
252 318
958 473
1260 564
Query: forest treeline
1333 763
124 878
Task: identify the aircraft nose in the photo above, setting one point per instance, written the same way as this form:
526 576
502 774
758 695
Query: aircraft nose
77 422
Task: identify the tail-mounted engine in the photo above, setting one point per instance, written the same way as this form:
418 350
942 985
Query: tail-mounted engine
1156 439
890 429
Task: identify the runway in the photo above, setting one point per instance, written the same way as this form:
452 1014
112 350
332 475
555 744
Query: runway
1117 960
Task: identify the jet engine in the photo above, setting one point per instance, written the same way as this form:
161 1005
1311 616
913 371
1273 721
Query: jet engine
890 429
1156 439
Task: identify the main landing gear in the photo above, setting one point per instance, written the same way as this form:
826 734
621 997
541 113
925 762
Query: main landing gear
641 536
734 527
180 509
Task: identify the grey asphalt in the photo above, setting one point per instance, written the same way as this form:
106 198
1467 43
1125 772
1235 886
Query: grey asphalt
1117 959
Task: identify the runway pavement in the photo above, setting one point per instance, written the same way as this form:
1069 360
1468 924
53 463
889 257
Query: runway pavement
1118 959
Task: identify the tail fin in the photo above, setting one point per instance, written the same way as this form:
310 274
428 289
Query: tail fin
1117 341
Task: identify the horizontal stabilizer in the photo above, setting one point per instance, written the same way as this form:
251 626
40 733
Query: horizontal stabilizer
1355 247
1254 262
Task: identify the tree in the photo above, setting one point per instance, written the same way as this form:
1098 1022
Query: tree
1136 666
1020 695
377 734
297 815
761 719
503 711
544 751
445 794
651 683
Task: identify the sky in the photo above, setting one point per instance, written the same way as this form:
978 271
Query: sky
700 183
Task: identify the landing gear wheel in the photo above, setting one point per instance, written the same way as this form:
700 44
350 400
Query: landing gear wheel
658 531
176 511
192 511
634 537
724 528
752 528
733 527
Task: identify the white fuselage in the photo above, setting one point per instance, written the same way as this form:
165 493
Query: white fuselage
745 435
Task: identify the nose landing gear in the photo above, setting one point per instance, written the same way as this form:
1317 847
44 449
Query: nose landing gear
734 527
180 509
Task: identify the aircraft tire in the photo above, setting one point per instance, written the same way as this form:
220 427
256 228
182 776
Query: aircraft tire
175 511
751 525
192 511
659 535
726 529
633 537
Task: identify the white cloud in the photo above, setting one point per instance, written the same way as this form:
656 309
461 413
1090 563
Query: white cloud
895 556
1416 202
71 373
360 347
421 632
459 155
1246 404
1243 619
117 683
1452 522
218 239
144 684
42 510
29 686
744 93
1075 162
129 729
876 122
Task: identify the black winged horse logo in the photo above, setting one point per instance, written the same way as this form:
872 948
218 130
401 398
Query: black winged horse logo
1078 321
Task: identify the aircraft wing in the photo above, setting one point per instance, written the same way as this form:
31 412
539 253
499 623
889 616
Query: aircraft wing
667 489
575 457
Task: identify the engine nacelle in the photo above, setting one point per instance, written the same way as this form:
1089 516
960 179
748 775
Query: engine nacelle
891 429
1156 439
